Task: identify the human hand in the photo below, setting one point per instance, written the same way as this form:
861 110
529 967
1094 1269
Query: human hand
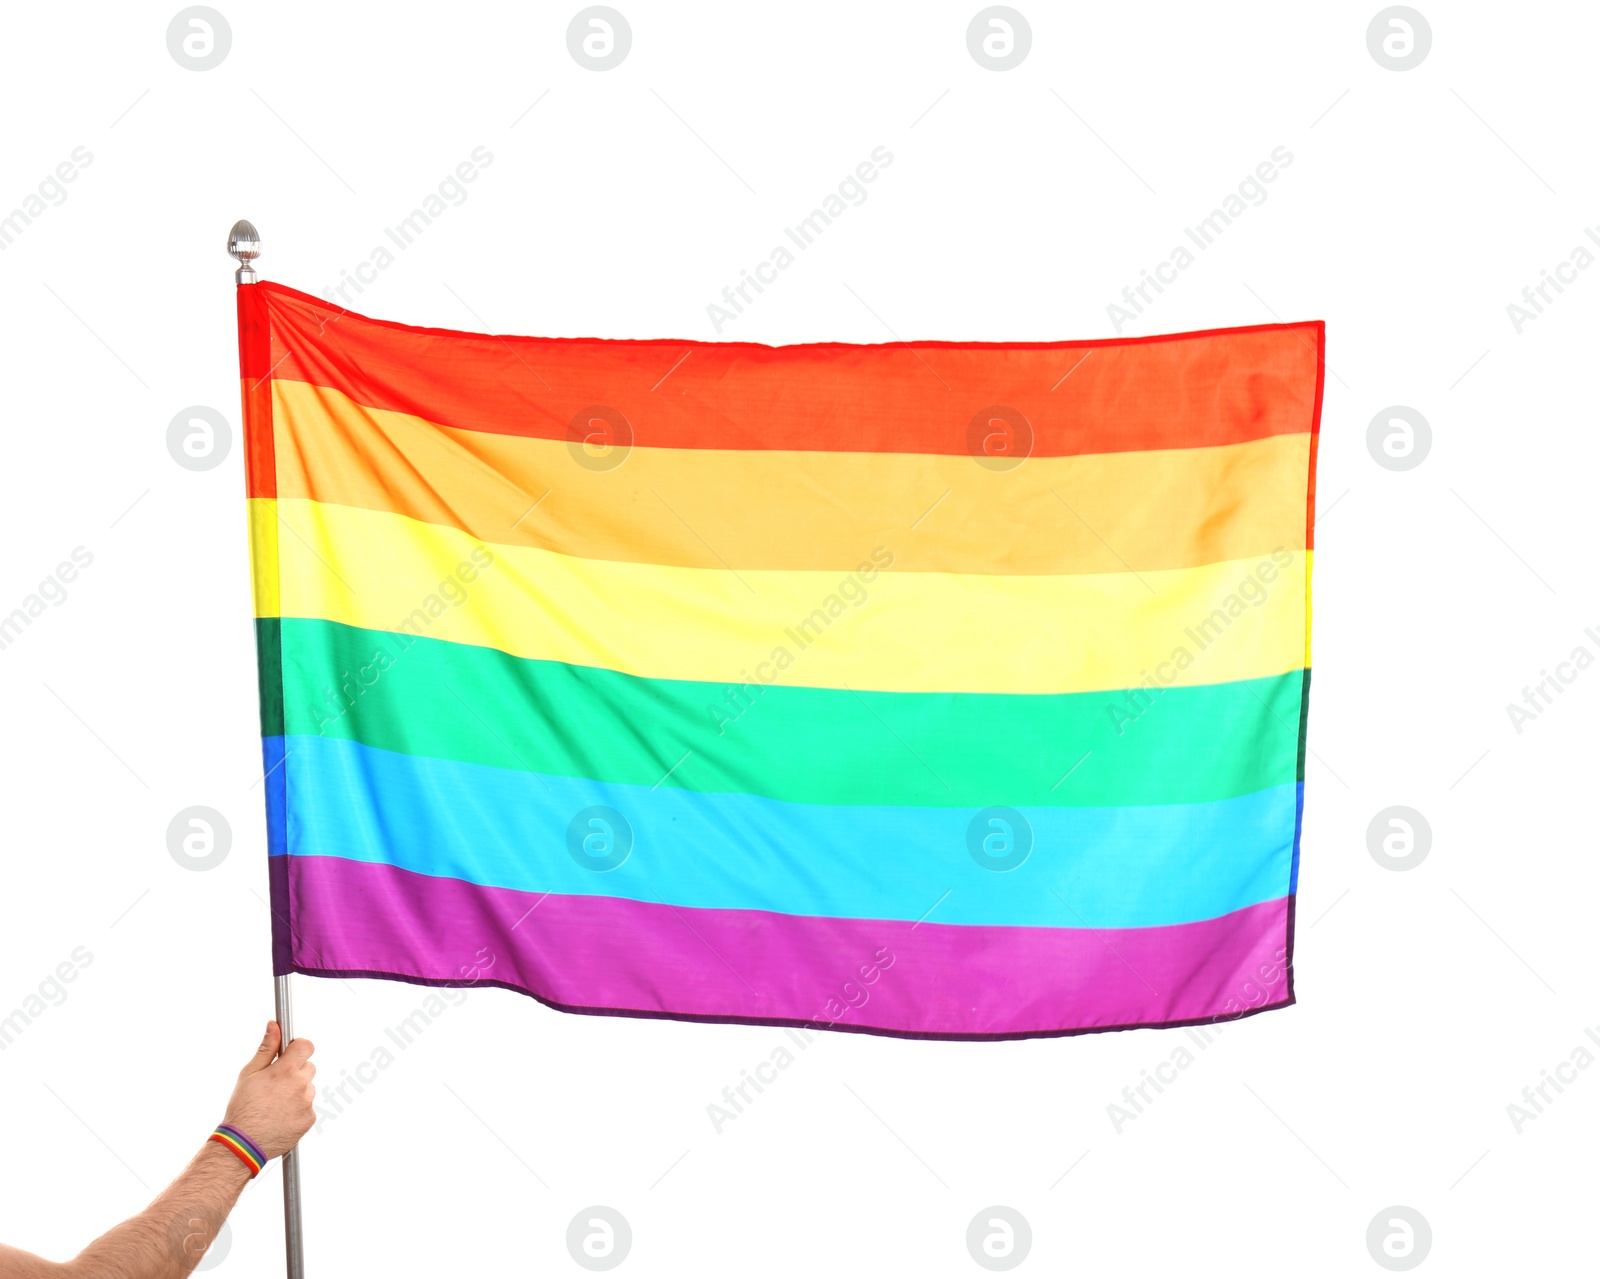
271 1103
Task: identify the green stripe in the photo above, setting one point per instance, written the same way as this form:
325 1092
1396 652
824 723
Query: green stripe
1305 710
810 745
269 682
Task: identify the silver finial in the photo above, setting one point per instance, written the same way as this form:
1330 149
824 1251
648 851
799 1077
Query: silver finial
244 243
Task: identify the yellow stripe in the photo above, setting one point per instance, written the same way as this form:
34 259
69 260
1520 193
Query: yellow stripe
1092 513
911 632
264 556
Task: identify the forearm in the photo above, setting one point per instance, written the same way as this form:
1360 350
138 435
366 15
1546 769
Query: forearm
272 1103
169 1237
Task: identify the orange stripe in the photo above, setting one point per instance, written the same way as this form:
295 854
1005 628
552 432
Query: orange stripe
712 508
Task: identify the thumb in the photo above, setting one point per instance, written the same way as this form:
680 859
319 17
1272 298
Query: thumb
264 1054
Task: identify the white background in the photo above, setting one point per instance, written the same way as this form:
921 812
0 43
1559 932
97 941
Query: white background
1019 204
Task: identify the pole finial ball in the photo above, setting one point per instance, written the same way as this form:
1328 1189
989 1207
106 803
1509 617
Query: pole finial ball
244 243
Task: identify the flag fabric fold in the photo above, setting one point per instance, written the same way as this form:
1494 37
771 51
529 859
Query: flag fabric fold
951 690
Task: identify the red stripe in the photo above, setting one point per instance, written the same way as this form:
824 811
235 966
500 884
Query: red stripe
1316 433
255 367
1225 386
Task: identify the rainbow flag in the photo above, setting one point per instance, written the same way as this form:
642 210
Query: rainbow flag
943 690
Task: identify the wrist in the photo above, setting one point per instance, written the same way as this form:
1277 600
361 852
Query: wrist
234 1141
223 1164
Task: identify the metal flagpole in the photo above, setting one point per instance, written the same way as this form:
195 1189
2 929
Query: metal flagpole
244 244
292 1241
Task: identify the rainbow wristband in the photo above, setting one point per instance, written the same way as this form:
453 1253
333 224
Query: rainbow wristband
242 1146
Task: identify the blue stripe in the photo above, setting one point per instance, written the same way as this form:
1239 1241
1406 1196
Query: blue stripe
1088 867
272 788
1299 823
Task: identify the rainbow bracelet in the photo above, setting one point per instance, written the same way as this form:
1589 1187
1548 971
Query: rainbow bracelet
242 1146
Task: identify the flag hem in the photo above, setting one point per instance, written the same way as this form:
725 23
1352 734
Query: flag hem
885 1032
339 311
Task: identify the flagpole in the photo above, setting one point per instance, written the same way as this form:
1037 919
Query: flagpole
292 1240
244 245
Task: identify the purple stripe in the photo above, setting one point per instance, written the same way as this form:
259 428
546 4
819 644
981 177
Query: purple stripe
606 954
278 892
